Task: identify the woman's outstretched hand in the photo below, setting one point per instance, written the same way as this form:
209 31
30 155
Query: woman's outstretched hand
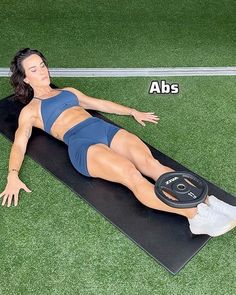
14 184
142 116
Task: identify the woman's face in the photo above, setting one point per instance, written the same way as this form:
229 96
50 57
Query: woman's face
36 72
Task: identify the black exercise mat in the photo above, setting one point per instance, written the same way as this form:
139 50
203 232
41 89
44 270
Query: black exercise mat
164 236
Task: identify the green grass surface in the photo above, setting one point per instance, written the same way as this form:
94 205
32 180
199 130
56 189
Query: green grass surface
121 33
54 243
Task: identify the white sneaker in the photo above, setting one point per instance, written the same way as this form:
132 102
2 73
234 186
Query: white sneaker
222 207
209 222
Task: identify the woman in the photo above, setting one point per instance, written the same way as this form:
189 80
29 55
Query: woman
96 148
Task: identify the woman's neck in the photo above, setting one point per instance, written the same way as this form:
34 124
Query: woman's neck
42 91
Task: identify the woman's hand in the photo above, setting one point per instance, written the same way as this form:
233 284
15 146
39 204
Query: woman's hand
14 184
142 116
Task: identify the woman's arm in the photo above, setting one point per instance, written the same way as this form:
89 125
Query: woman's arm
107 106
14 184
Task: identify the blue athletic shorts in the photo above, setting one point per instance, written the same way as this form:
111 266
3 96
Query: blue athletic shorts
79 138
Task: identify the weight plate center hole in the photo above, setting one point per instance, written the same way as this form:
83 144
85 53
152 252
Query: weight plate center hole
181 186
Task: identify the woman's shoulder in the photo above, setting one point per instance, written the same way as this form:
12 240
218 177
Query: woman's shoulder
75 91
27 114
29 110
68 89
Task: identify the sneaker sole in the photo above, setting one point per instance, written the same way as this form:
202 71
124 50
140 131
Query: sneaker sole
217 233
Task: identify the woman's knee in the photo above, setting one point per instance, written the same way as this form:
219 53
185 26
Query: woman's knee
129 173
124 171
148 162
105 163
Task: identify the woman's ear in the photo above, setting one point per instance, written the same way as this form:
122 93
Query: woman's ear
26 81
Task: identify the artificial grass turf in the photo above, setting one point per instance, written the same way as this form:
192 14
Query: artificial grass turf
121 34
126 33
54 243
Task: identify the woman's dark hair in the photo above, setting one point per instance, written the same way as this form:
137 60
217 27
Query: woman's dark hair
23 91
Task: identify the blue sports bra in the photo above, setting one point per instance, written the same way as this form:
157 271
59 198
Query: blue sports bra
52 107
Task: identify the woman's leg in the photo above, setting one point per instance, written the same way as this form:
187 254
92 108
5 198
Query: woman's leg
103 162
133 148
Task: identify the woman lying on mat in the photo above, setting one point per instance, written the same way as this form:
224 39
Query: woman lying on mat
96 148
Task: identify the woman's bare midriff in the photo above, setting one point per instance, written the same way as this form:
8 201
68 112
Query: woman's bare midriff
65 121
